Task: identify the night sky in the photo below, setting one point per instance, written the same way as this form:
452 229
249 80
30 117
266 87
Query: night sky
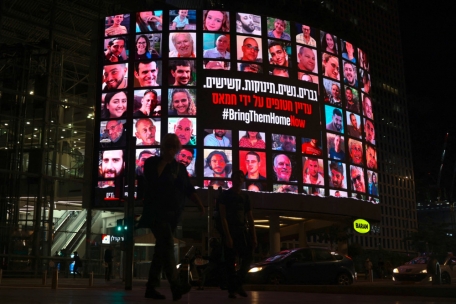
429 50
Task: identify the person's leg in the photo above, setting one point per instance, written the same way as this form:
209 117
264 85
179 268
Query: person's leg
164 259
230 259
157 261
245 251
109 271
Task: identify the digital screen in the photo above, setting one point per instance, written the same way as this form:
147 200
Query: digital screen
286 103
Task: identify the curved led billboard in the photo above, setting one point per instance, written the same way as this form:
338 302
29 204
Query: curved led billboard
286 103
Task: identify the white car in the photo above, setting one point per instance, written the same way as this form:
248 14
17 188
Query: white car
416 270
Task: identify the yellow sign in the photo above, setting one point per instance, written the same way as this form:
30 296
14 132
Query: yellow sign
361 226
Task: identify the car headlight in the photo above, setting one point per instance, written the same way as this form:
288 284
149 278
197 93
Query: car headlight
255 269
395 270
423 271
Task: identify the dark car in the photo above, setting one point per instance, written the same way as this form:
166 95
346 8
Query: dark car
303 266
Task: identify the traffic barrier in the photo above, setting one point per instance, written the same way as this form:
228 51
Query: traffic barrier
55 279
43 279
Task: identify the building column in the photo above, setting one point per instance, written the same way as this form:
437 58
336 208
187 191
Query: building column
274 234
302 235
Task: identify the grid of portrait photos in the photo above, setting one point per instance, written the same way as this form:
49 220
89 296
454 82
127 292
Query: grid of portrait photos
149 87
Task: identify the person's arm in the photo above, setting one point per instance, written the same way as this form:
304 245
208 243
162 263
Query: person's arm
226 231
173 27
252 229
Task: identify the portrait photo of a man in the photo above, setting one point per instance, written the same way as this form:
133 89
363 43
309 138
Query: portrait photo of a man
217 163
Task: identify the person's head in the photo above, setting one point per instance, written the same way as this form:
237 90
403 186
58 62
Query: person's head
156 111
215 21
183 13
217 161
214 65
145 131
349 73
357 178
278 53
337 174
335 91
149 101
306 31
282 167
313 142
250 67
312 166
374 178
143 155
117 19
306 77
115 129
288 142
222 43
185 156
337 143
115 104
349 48
169 146
181 70
142 44
331 64
182 102
183 42
367 107
280 25
371 157
249 49
184 130
146 73
146 16
369 131
364 60
252 135
329 43
254 187
246 21
114 75
356 151
337 119
306 58
353 121
280 72
366 82
116 45
349 95
219 133
112 163
238 179
145 20
252 163
337 193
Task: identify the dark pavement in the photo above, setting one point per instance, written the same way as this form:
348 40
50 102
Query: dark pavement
78 291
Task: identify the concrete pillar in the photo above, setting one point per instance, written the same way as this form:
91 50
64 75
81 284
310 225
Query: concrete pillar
302 235
274 234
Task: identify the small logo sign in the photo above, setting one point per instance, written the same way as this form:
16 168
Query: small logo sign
361 226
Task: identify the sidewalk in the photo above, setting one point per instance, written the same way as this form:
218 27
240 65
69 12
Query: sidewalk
378 287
